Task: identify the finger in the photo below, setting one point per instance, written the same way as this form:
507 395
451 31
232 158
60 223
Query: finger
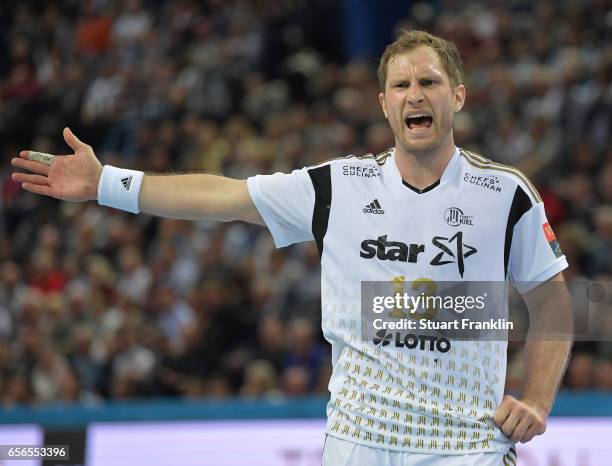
31 165
37 189
502 412
521 429
528 435
534 429
74 142
510 423
500 415
28 178
41 157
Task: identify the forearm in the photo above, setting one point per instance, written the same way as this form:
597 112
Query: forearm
548 343
197 197
545 363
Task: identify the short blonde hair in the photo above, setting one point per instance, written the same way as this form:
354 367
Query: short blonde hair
408 40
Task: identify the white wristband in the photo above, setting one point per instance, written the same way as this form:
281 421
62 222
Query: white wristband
119 188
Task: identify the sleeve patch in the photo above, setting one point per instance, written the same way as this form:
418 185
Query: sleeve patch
552 240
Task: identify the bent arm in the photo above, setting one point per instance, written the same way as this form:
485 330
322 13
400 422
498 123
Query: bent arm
549 341
197 197
546 352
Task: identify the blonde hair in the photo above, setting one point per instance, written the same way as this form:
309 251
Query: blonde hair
408 40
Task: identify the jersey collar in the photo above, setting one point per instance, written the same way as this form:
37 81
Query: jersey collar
453 165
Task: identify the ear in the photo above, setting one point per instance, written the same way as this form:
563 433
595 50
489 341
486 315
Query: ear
381 99
459 97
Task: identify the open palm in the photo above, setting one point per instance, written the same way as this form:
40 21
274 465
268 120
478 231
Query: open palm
70 177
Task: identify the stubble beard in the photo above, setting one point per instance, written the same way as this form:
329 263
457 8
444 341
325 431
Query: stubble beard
420 150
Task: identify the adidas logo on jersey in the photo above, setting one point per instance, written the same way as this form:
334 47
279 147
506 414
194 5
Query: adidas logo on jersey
126 182
373 207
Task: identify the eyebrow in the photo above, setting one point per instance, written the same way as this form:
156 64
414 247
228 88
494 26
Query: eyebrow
428 76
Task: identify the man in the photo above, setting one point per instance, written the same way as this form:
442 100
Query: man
425 210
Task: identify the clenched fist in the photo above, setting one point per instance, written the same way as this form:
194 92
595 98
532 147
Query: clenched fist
521 420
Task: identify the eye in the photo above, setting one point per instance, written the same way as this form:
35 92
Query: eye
427 82
401 84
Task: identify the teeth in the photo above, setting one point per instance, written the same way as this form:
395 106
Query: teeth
418 115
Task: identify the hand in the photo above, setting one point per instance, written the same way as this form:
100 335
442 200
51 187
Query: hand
521 420
70 177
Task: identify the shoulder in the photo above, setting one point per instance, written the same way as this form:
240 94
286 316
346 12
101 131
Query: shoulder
365 166
507 175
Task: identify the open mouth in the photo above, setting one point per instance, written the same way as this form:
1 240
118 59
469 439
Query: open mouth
419 121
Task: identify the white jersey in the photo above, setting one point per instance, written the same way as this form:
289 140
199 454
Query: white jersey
481 221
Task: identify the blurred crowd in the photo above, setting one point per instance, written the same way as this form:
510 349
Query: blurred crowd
99 304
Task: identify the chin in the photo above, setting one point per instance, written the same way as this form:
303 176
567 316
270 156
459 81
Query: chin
421 147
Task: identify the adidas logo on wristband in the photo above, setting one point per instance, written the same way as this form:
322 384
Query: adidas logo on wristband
126 182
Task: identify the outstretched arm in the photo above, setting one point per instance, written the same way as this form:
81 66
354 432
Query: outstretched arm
547 349
75 177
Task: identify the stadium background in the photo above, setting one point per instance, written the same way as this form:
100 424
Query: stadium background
100 308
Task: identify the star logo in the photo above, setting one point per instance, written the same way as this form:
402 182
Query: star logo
454 250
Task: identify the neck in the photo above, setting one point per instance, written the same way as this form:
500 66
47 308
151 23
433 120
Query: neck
423 169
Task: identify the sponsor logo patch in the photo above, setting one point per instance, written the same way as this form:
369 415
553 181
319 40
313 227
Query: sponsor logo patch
552 240
390 250
490 182
363 172
454 217
450 250
412 341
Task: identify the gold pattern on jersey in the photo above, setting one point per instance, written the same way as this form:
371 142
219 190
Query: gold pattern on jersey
395 389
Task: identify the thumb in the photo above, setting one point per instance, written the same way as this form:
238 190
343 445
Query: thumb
74 142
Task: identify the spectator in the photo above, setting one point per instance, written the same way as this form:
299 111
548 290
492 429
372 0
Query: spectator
173 316
580 372
260 380
48 373
304 352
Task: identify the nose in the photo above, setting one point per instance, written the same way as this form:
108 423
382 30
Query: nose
415 94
